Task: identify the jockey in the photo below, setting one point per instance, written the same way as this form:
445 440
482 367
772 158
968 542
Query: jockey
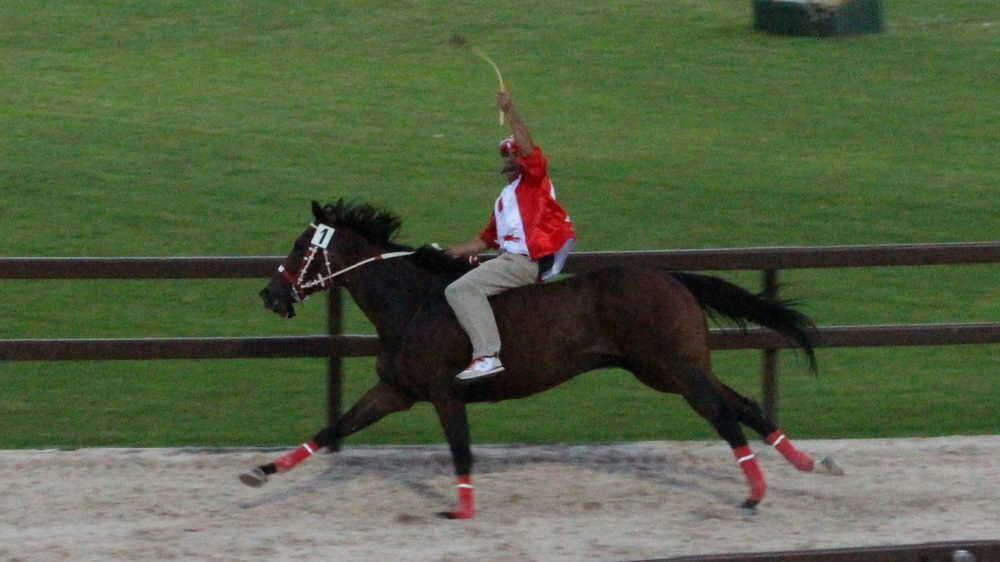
532 233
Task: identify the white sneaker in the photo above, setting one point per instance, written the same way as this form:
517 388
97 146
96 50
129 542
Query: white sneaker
481 367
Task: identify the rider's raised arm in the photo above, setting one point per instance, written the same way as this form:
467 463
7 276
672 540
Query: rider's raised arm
522 138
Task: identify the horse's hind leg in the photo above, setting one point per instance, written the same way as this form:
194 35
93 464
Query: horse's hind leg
698 389
380 401
750 413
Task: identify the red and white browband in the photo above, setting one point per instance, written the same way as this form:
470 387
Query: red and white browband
320 241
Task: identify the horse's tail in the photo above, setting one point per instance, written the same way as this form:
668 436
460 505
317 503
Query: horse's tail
717 296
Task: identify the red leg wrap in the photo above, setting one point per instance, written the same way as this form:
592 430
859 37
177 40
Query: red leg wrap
784 446
300 454
465 508
752 472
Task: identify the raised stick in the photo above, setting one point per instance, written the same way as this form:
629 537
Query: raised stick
461 42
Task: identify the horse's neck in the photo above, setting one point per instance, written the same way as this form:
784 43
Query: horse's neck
388 293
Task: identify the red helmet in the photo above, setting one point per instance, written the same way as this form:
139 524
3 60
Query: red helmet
507 146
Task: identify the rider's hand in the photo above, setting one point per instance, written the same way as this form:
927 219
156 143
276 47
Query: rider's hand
503 101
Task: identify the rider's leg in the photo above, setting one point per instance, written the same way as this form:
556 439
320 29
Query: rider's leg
468 296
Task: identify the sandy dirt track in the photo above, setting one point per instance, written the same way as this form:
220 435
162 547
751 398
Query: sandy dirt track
535 503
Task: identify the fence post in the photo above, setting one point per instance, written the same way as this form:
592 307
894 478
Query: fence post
334 385
769 357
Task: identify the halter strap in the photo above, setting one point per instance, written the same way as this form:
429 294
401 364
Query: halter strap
298 287
321 280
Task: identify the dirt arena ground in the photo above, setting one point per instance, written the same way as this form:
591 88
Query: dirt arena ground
535 503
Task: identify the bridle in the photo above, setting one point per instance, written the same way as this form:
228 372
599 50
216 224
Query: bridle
318 247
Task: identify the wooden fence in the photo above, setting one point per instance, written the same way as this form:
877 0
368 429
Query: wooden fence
335 345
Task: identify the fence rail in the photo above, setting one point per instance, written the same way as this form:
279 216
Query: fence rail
969 551
76 349
764 258
335 345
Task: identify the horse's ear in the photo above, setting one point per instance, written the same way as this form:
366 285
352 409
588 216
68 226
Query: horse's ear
317 211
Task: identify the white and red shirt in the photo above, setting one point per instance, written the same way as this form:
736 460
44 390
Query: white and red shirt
526 217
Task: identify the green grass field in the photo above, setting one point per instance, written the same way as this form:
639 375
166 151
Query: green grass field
186 128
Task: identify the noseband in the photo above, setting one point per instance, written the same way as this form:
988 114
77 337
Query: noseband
318 246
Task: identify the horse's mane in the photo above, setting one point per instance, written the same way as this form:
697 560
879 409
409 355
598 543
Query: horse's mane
380 227
377 226
435 260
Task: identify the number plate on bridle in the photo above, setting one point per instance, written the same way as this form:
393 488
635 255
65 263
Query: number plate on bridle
322 236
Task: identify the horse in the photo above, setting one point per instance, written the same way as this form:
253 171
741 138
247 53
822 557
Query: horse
651 323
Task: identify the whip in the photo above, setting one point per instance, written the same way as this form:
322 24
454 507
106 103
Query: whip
460 42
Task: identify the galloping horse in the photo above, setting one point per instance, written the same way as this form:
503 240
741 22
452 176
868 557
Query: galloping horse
651 323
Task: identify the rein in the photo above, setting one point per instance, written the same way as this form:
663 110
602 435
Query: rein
320 241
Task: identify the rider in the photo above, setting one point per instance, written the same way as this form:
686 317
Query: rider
531 231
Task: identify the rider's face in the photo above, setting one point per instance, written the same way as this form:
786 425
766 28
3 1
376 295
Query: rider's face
511 169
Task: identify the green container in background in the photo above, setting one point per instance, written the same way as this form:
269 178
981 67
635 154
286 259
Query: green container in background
820 18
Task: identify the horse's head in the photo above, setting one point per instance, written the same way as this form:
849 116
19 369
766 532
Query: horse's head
341 235
309 255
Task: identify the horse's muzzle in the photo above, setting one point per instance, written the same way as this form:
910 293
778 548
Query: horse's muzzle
282 306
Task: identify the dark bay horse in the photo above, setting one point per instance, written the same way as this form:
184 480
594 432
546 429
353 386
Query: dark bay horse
650 323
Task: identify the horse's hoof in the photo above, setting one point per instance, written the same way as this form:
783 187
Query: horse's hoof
255 477
454 515
828 466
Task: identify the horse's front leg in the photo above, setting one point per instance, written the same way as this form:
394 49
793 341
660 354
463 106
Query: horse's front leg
455 423
380 401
